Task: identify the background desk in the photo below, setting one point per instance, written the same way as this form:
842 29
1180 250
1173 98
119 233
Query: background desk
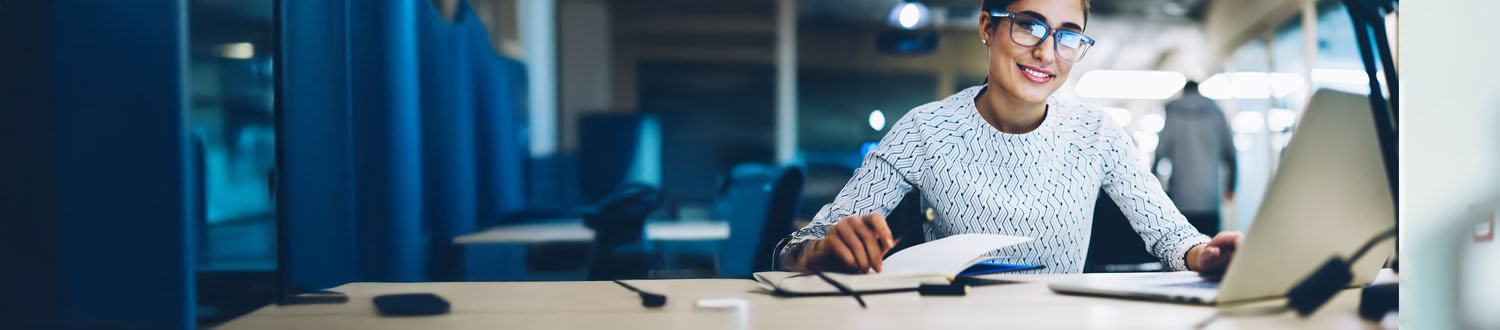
573 230
604 305
501 253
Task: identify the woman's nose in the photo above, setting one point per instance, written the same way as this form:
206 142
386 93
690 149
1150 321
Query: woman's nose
1045 51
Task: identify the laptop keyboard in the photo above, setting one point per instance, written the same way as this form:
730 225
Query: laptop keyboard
1198 285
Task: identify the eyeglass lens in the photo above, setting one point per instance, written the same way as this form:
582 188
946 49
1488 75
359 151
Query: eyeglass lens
1030 32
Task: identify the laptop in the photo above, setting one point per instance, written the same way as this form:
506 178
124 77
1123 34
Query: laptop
1328 197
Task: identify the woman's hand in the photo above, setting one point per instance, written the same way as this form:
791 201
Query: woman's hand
852 245
1213 257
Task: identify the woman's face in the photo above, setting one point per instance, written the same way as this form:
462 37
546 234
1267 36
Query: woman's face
1026 73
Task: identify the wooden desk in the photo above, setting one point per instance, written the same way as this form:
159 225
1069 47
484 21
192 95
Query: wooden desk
604 305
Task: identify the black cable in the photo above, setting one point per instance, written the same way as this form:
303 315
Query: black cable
1370 244
1330 278
842 288
648 299
1313 291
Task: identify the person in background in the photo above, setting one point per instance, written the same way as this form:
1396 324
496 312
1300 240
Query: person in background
1007 157
1196 140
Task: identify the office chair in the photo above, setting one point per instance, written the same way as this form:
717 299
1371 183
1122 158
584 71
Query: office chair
619 221
1113 245
779 216
744 200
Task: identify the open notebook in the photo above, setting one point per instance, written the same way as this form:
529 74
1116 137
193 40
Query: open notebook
935 262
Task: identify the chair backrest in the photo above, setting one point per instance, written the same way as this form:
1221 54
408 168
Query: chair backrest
620 218
779 216
615 149
1112 242
759 201
908 221
618 222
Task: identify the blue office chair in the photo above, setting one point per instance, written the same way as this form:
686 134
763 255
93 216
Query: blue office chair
619 222
760 203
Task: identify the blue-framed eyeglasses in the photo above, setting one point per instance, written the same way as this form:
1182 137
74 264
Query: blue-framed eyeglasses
1030 32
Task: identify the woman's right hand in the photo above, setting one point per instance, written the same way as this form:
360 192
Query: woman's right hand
852 245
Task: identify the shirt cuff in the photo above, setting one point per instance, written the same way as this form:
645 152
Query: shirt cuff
793 247
1173 251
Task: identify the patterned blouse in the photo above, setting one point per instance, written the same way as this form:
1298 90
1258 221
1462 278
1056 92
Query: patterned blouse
1042 184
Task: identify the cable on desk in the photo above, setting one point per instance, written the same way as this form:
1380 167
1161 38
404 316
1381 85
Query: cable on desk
648 299
1314 290
842 288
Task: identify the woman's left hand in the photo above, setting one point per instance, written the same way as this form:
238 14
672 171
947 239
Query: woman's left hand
1213 257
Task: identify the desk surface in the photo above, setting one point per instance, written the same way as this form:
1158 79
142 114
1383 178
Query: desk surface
573 230
604 305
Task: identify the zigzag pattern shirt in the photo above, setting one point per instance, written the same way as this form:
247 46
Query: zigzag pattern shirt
1042 184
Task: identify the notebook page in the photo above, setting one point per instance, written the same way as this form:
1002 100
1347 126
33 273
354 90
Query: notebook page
947 256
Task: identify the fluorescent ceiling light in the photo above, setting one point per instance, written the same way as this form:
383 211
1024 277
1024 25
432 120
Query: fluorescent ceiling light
1146 140
1153 122
238 50
1123 84
1120 115
1243 142
1279 120
1251 85
1248 122
1353 81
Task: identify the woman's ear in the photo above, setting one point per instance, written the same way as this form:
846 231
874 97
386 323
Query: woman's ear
984 26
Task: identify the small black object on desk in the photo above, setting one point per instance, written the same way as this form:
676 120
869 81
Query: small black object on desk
1378 299
410 304
648 299
951 289
315 297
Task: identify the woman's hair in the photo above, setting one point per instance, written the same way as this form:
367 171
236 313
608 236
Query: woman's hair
1001 4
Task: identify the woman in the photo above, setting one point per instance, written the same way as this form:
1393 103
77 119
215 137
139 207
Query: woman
1007 158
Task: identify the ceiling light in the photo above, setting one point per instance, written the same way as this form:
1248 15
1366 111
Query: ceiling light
1251 85
1125 84
1147 141
877 120
238 50
1153 122
1120 115
910 15
1249 122
1279 120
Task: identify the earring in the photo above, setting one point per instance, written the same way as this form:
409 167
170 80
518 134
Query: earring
984 42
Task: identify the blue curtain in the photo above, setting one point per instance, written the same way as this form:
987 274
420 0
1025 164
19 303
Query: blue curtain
499 86
400 132
96 173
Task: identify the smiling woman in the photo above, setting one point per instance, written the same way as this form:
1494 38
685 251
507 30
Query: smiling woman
1007 158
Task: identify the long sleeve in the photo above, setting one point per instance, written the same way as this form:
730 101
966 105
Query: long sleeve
885 176
1140 196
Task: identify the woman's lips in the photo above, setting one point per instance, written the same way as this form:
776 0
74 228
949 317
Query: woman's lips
1035 74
